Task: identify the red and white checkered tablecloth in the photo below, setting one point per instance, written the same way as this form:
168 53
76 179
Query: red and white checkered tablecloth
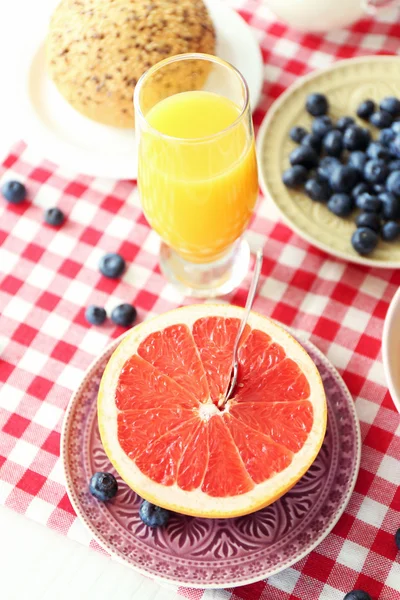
48 277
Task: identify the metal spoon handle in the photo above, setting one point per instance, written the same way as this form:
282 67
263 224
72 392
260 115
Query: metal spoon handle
249 304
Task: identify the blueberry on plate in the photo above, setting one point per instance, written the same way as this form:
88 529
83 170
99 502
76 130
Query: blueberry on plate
54 217
357 159
321 125
153 516
378 150
326 167
341 205
103 486
344 178
297 133
124 315
397 538
112 265
332 143
295 176
376 171
381 119
394 165
361 188
317 105
393 183
378 188
318 191
370 220
396 126
305 156
95 315
364 241
394 146
356 138
343 123
369 203
386 136
14 192
357 595
390 206
312 140
390 231
391 105
365 109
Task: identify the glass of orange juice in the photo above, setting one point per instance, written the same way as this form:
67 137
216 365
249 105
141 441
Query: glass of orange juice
197 171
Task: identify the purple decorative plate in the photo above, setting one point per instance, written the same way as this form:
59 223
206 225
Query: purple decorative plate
214 553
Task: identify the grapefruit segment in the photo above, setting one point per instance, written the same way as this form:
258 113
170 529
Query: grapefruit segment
257 355
194 460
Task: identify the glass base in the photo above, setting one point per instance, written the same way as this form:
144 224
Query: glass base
206 280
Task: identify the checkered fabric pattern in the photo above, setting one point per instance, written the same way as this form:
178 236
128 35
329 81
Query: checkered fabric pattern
48 276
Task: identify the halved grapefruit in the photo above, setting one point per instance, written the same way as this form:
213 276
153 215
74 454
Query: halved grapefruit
164 431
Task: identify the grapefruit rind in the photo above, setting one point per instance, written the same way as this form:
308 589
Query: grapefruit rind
196 502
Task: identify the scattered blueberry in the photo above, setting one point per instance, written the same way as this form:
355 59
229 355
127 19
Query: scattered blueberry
326 167
391 105
344 178
295 176
103 486
357 159
361 188
394 146
317 190
343 123
396 126
390 231
332 143
341 205
370 220
386 136
313 141
297 133
357 595
397 538
321 125
112 265
305 156
95 315
376 171
390 206
365 110
381 119
378 150
317 105
369 203
153 516
54 217
14 192
394 165
124 315
393 183
356 138
364 240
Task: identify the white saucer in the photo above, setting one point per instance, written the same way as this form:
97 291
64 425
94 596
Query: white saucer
59 133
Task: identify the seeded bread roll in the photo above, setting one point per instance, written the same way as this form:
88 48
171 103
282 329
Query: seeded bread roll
97 50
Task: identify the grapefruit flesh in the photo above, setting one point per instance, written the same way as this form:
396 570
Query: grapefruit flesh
162 429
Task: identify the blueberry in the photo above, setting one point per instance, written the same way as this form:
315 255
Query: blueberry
394 146
394 165
297 133
341 205
378 150
361 188
379 188
317 105
357 159
376 171
396 126
390 231
103 486
343 123
393 183
295 176
326 167
390 206
312 140
365 110
344 178
397 538
305 156
112 265
321 125
381 119
391 105
318 191
369 203
364 240
124 315
95 315
153 516
332 143
356 138
14 192
386 136
370 220
357 595
54 217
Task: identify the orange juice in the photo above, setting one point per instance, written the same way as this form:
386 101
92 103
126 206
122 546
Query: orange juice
198 181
